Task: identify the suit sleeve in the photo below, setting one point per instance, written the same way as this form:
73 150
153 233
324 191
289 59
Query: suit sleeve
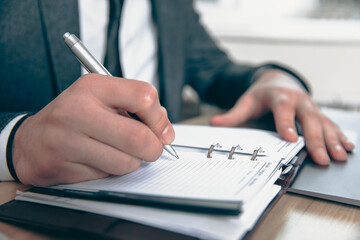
212 74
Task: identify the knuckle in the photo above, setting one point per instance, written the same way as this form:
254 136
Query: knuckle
152 149
160 123
164 111
308 105
83 81
149 96
282 100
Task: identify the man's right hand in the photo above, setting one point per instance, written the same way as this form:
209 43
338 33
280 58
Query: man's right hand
86 133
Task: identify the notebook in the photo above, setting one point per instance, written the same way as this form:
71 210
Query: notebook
224 182
218 170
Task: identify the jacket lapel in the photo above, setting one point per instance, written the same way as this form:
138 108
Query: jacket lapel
59 17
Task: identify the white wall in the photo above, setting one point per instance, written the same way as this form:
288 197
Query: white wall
326 52
332 70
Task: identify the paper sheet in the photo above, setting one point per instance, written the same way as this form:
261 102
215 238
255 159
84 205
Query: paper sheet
192 176
247 139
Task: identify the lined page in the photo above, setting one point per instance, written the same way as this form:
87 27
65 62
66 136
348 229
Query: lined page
192 176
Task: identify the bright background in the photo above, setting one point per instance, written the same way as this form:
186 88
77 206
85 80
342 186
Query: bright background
318 38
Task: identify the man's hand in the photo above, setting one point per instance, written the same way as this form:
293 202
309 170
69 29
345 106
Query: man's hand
86 133
282 94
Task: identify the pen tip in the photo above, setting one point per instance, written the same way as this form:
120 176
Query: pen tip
174 152
171 150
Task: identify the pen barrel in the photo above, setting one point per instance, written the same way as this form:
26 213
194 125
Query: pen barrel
87 60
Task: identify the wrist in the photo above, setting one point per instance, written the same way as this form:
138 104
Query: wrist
279 78
4 139
11 145
258 72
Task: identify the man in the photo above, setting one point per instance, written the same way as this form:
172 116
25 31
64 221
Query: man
76 130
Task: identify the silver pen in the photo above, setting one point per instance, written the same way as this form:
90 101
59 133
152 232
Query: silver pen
89 62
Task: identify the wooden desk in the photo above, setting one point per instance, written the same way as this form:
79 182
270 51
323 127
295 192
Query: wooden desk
293 217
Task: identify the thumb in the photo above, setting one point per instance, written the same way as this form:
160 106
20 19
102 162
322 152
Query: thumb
244 109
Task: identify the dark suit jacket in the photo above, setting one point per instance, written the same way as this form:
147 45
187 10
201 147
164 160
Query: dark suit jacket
36 65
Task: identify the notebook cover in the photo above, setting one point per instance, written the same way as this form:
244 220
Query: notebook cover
78 224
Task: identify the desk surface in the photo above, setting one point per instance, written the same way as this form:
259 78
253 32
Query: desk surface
293 217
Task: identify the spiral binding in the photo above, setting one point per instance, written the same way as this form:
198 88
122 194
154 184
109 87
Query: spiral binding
254 155
211 148
232 151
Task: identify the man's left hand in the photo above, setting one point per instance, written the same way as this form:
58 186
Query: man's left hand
282 94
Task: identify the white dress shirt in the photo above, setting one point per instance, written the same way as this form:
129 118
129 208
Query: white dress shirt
137 38
137 44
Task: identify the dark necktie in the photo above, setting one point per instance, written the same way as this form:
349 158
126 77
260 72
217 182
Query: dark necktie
112 58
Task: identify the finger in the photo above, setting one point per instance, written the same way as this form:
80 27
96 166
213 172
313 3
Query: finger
284 116
133 96
124 134
313 134
72 173
159 124
346 143
94 154
333 143
243 110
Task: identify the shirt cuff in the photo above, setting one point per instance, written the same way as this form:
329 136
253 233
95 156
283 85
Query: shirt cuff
4 136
